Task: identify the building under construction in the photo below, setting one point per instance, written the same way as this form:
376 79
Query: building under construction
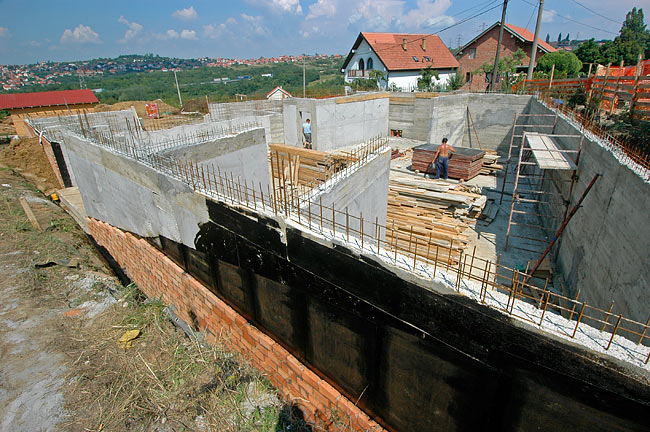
513 296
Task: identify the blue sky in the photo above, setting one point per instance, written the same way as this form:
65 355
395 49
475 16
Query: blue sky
35 30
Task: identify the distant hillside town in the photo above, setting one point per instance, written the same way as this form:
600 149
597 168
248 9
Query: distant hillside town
13 77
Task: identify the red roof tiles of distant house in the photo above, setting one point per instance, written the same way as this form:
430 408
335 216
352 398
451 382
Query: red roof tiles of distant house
528 36
389 47
44 99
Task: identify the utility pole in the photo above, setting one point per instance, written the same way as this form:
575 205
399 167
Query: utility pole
303 76
533 51
180 101
496 58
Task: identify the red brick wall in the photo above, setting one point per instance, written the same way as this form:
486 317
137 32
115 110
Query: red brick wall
47 148
159 277
486 48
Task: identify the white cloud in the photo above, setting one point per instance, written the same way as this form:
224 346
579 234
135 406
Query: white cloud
133 29
4 31
334 17
281 6
246 26
323 8
169 34
548 15
81 34
186 14
188 34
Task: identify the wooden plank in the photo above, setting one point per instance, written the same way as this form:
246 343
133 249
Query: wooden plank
29 213
361 98
545 151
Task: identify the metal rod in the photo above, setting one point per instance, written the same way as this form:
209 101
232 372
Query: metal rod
564 224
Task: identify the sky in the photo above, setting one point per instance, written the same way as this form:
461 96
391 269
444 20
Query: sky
65 30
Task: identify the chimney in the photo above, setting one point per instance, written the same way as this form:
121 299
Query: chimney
404 44
424 44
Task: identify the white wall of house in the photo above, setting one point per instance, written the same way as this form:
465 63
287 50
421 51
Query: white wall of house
363 52
408 80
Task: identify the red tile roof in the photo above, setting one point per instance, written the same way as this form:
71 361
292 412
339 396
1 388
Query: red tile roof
43 99
389 49
528 36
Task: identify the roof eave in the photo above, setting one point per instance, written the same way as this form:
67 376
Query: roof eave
351 53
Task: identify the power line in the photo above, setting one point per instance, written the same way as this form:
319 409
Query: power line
577 22
596 13
464 20
531 17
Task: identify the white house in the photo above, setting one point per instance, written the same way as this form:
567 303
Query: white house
278 93
400 57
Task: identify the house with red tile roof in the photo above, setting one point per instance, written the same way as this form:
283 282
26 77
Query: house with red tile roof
45 104
483 48
401 57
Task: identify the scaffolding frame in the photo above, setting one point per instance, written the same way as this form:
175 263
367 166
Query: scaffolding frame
537 194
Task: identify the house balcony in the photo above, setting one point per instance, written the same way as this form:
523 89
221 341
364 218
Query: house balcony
358 73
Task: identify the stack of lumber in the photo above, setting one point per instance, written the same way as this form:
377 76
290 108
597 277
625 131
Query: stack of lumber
301 166
465 164
490 165
427 209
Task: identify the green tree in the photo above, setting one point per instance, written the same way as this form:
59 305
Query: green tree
566 64
456 81
610 53
634 37
548 38
559 37
507 68
588 52
425 82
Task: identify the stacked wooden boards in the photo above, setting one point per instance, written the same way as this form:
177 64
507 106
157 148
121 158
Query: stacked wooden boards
466 163
422 211
301 166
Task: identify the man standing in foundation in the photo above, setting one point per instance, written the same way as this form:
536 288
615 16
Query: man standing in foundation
442 155
306 129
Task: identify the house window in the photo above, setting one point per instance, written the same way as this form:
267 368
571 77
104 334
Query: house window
361 65
369 64
426 58
472 53
416 59
468 77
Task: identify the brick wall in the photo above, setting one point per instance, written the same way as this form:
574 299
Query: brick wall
49 153
159 277
486 48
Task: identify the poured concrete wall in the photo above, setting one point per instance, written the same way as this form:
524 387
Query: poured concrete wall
336 122
364 193
244 156
605 250
132 196
429 118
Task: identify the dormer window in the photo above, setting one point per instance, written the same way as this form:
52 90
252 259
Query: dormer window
416 59
427 59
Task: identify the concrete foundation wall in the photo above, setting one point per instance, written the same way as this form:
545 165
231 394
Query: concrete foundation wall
336 122
605 250
364 192
134 197
430 118
243 155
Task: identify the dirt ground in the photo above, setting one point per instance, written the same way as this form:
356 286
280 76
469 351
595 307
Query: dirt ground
62 313
26 156
139 107
7 127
